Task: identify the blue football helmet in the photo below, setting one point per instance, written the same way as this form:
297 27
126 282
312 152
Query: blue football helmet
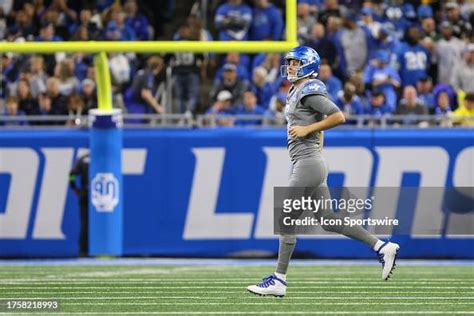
309 63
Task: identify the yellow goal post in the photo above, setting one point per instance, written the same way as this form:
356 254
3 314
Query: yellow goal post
103 47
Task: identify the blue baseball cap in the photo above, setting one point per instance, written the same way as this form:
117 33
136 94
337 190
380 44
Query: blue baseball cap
367 11
409 11
425 11
382 55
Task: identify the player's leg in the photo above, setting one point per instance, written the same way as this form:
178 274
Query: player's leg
386 251
304 175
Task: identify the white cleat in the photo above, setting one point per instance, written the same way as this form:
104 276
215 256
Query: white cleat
387 256
271 285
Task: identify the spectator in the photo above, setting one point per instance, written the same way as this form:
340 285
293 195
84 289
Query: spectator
58 101
276 109
45 109
395 16
48 34
354 43
64 71
461 28
25 25
188 68
368 23
410 104
443 103
333 85
39 8
271 62
267 22
230 83
12 111
263 89
380 75
424 89
233 20
333 33
465 114
140 97
377 105
86 23
413 60
305 22
66 14
26 103
53 17
136 21
9 73
88 94
326 49
331 9
424 11
81 64
223 107
463 73
197 28
450 92
3 24
38 76
349 102
81 34
428 25
384 40
120 69
240 63
249 107
447 52
75 107
117 29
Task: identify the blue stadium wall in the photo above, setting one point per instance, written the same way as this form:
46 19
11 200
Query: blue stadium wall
208 192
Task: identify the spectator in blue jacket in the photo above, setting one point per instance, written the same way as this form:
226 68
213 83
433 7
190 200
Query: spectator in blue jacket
349 102
249 107
233 20
267 22
333 85
12 111
137 21
377 105
117 29
424 89
241 63
380 75
263 89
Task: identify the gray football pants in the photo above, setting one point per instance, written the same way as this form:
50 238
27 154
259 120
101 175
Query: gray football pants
312 173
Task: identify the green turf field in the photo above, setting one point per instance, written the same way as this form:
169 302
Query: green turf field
327 289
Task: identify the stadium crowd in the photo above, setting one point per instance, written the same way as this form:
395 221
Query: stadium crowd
378 58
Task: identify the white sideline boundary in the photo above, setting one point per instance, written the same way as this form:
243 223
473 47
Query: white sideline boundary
223 262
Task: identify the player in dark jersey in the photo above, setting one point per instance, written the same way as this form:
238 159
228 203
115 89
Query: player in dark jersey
309 112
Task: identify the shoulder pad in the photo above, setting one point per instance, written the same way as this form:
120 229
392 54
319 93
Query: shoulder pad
313 86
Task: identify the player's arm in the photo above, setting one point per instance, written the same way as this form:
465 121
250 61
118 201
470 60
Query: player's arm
324 105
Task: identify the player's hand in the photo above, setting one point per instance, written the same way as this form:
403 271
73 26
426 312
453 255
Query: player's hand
298 131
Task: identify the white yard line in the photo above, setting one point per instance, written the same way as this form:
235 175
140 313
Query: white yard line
242 290
388 286
214 281
249 296
255 313
275 302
